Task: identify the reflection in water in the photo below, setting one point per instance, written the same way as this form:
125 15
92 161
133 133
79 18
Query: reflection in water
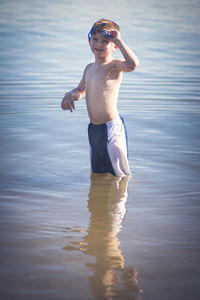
110 279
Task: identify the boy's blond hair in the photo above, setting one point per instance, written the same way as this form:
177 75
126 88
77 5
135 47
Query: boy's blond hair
104 24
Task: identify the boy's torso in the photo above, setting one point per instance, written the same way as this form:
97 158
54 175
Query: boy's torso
102 86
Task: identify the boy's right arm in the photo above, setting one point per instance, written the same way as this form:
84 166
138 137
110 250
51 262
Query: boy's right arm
76 94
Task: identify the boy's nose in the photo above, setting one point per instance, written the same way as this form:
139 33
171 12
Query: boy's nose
99 42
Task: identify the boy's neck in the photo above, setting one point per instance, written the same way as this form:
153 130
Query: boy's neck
103 60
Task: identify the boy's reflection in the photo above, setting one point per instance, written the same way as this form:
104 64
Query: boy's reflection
107 198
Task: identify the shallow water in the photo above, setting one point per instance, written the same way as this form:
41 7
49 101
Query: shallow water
64 233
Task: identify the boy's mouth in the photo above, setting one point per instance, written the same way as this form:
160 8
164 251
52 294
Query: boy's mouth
98 50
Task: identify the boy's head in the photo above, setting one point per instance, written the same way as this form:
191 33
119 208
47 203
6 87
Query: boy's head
104 26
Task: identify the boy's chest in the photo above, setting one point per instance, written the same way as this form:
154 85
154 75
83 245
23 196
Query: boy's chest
101 74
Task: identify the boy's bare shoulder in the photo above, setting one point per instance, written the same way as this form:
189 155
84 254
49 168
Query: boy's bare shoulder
88 66
86 69
114 63
117 61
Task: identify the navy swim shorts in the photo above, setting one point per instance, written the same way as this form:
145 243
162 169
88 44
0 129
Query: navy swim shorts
108 147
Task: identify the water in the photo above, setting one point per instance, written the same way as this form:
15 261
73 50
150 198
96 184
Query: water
65 234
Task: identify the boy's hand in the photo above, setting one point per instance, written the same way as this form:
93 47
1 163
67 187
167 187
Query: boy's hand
69 98
115 36
68 102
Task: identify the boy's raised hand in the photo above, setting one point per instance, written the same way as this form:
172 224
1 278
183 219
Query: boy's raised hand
115 36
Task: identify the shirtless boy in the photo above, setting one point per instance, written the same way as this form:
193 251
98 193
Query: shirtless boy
100 86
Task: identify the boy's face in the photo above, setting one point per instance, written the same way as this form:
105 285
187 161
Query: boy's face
101 46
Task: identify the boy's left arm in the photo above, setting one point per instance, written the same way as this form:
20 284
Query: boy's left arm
130 61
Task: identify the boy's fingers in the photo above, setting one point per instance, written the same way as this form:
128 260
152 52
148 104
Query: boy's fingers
63 106
113 33
68 106
72 106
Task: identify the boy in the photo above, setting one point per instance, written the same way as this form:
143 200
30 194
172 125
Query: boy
100 86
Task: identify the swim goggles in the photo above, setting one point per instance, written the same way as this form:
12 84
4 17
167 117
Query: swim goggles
104 33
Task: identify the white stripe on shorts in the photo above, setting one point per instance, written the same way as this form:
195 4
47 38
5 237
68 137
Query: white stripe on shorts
117 147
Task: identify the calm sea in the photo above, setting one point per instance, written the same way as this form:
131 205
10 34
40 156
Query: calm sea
64 233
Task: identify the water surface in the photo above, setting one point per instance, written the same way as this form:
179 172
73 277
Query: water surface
64 233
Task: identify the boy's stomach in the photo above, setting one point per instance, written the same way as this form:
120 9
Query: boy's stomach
102 110
101 116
